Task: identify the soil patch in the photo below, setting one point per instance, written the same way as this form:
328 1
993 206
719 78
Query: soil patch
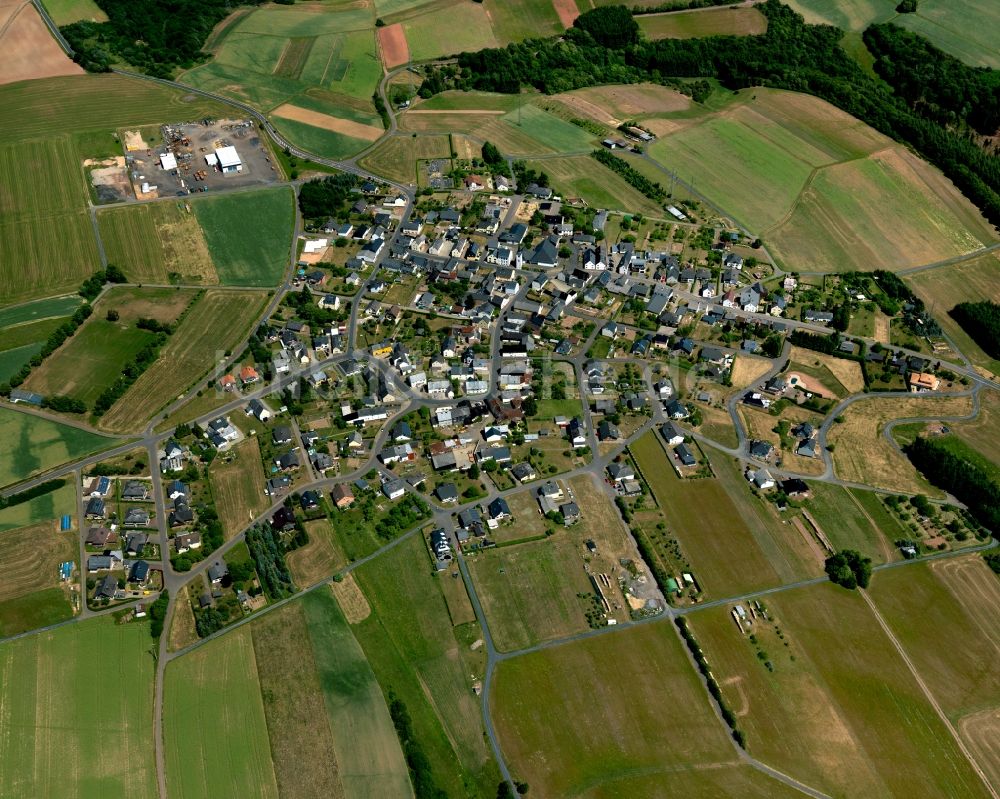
392 43
567 11
347 127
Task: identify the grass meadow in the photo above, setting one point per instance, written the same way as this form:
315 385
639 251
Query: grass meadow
432 35
851 522
25 328
703 22
66 743
46 508
415 652
237 481
582 176
522 19
635 721
839 710
967 29
214 324
31 595
41 445
214 727
396 157
248 235
850 15
65 12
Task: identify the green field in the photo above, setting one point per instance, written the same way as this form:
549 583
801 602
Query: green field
617 715
41 444
40 509
416 653
432 35
248 235
863 525
40 310
514 20
968 29
840 710
530 592
555 133
156 240
64 12
60 742
214 729
33 611
703 22
724 554
11 361
582 176
847 14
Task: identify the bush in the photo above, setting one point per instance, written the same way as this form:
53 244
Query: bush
848 568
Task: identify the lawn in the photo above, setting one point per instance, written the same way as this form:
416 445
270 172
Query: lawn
722 549
214 727
967 29
41 445
862 454
66 745
703 22
417 654
30 595
198 343
617 715
248 235
395 157
840 710
530 592
582 176
155 241
237 480
944 288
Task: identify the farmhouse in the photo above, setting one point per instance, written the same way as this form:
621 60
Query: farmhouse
342 496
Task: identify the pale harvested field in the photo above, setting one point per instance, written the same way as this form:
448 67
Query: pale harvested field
392 43
881 327
347 127
977 590
318 559
217 322
27 49
847 372
981 732
302 746
618 103
351 599
30 558
748 369
863 455
182 630
238 486
567 11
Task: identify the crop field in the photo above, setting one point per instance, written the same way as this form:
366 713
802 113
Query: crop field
522 19
41 445
12 360
65 744
863 455
703 22
641 721
812 179
942 289
396 157
415 651
840 710
721 547
64 12
209 694
30 558
192 350
967 29
530 592
45 508
154 240
248 235
913 215
582 176
850 523
40 310
237 480
433 35
28 50
43 191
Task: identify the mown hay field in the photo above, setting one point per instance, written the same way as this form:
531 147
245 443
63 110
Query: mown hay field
743 21
216 322
863 455
412 646
582 176
58 741
209 694
237 480
396 157
638 721
839 710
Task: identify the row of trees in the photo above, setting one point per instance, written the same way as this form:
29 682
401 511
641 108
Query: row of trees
424 786
632 176
269 558
963 478
981 320
790 55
